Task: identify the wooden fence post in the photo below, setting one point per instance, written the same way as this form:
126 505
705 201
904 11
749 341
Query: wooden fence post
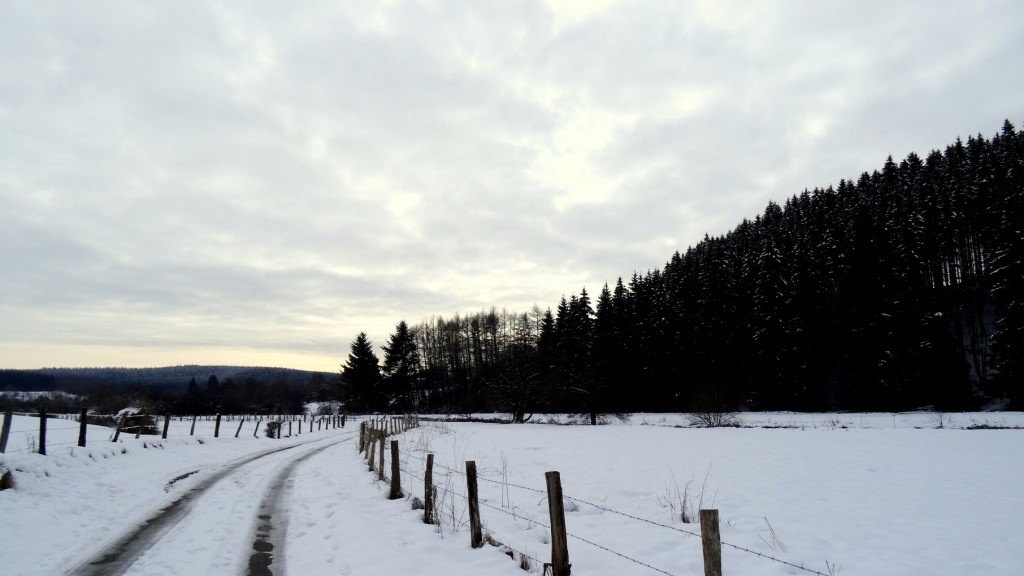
396 471
342 420
240 422
256 431
428 491
167 424
371 452
289 427
476 536
712 541
83 420
192 432
216 427
310 424
362 436
380 467
120 424
559 545
42 430
5 429
138 425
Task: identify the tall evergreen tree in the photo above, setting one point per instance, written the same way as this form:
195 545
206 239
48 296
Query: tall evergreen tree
401 366
361 378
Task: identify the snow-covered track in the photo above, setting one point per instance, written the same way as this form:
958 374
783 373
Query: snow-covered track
119 556
268 534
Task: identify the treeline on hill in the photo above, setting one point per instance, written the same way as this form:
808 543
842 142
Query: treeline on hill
176 389
900 290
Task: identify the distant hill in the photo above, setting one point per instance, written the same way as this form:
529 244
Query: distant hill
170 380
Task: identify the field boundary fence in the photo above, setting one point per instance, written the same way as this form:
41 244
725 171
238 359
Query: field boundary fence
463 516
139 425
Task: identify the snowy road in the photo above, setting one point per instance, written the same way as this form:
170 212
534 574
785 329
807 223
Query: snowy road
231 521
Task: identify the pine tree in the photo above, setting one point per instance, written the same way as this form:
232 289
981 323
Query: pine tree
360 376
401 366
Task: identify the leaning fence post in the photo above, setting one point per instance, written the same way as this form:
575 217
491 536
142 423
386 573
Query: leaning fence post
240 422
120 424
5 429
216 427
712 542
167 424
476 537
83 420
256 431
559 545
42 430
396 470
428 491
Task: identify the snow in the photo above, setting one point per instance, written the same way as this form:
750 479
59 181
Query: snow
900 494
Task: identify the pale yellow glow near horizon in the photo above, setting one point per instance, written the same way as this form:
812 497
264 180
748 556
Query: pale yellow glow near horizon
19 356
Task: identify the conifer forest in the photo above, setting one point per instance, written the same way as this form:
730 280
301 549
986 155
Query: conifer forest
900 290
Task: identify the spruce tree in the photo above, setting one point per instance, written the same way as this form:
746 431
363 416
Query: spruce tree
401 365
360 376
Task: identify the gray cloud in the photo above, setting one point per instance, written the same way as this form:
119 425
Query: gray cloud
191 182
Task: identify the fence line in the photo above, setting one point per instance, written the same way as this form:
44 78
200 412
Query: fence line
574 499
473 501
139 423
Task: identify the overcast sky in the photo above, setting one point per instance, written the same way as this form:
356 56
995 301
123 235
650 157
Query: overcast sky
257 182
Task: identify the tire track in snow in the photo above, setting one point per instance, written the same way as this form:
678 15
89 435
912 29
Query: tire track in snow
118 557
267 537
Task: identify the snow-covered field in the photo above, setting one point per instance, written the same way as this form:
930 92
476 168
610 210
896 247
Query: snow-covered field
895 494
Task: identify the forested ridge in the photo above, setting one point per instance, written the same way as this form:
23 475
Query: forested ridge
899 290
178 389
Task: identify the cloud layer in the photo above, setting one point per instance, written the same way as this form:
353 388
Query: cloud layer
256 184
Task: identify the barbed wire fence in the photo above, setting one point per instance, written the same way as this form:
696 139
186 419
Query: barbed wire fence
446 508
